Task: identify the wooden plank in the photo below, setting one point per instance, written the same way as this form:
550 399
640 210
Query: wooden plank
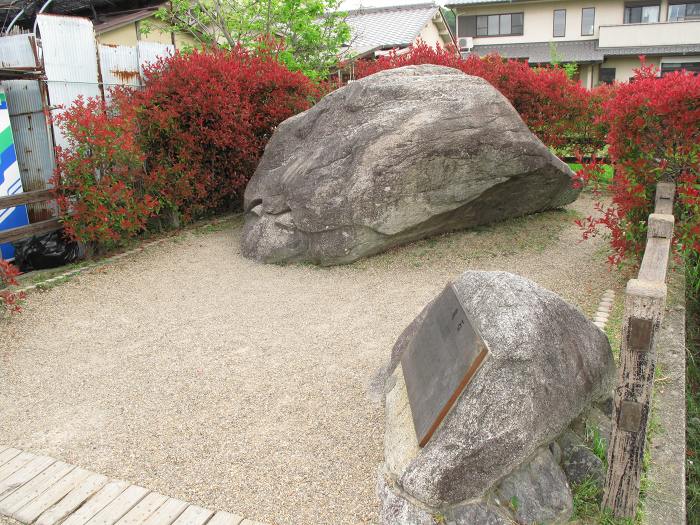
23 232
35 508
73 500
34 488
28 197
7 454
194 515
143 510
96 503
122 504
655 260
225 518
167 513
16 463
663 201
644 300
28 472
660 225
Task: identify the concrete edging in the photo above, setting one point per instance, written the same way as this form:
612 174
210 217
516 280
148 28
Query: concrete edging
665 498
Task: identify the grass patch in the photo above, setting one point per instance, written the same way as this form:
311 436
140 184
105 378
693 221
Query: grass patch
605 178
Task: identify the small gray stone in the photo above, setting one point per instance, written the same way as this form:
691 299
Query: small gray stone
477 514
568 441
538 492
582 464
394 509
555 449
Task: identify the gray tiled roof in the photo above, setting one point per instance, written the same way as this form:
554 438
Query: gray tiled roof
680 49
386 27
470 2
539 52
580 51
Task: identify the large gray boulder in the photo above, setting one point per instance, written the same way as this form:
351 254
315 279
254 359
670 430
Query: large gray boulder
547 364
394 157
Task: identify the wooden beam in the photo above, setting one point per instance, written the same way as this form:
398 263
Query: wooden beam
23 232
658 248
26 198
644 303
664 197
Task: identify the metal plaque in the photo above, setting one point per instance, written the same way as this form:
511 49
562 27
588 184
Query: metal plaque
640 334
440 361
630 419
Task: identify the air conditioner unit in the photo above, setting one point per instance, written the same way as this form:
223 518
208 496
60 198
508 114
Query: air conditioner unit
465 43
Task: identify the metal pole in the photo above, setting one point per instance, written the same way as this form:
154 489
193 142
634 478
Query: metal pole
14 20
36 20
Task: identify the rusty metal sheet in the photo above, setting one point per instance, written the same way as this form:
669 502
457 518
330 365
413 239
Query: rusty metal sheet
440 361
119 66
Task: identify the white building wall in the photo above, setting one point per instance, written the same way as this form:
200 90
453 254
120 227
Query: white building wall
430 35
538 23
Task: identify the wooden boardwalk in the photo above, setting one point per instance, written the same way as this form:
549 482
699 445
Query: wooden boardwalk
43 491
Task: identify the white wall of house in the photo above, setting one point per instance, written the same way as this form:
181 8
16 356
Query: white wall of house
538 23
430 35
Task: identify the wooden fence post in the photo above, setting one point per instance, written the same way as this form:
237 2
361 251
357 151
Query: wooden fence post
644 303
645 299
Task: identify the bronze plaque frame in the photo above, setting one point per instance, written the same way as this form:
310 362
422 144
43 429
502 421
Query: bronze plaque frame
440 361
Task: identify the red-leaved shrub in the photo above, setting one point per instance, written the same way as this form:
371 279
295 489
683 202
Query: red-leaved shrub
99 179
557 109
204 118
654 136
9 301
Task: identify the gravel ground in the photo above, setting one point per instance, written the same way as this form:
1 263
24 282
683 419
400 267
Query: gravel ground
245 387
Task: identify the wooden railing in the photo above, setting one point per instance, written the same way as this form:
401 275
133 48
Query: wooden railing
37 228
645 298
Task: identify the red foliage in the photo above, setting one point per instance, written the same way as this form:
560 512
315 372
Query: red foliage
554 107
9 300
204 118
654 136
99 179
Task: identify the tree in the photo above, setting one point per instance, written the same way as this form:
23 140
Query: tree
306 34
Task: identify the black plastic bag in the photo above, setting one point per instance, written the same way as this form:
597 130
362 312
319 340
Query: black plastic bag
46 251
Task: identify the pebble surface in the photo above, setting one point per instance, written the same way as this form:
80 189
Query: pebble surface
238 386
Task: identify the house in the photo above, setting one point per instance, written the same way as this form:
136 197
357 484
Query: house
128 27
604 37
376 31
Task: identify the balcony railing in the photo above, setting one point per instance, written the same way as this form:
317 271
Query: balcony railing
658 34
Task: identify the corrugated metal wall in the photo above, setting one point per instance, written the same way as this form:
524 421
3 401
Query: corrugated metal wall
25 102
71 71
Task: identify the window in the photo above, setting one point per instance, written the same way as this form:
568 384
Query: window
587 20
680 12
499 25
690 67
607 75
641 14
560 22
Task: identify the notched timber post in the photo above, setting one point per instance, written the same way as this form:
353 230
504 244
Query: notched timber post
644 303
645 300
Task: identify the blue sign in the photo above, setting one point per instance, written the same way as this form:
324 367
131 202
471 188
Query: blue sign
10 181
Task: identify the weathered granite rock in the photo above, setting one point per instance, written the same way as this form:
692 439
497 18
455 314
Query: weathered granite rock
547 363
581 464
397 509
395 157
538 492
477 513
